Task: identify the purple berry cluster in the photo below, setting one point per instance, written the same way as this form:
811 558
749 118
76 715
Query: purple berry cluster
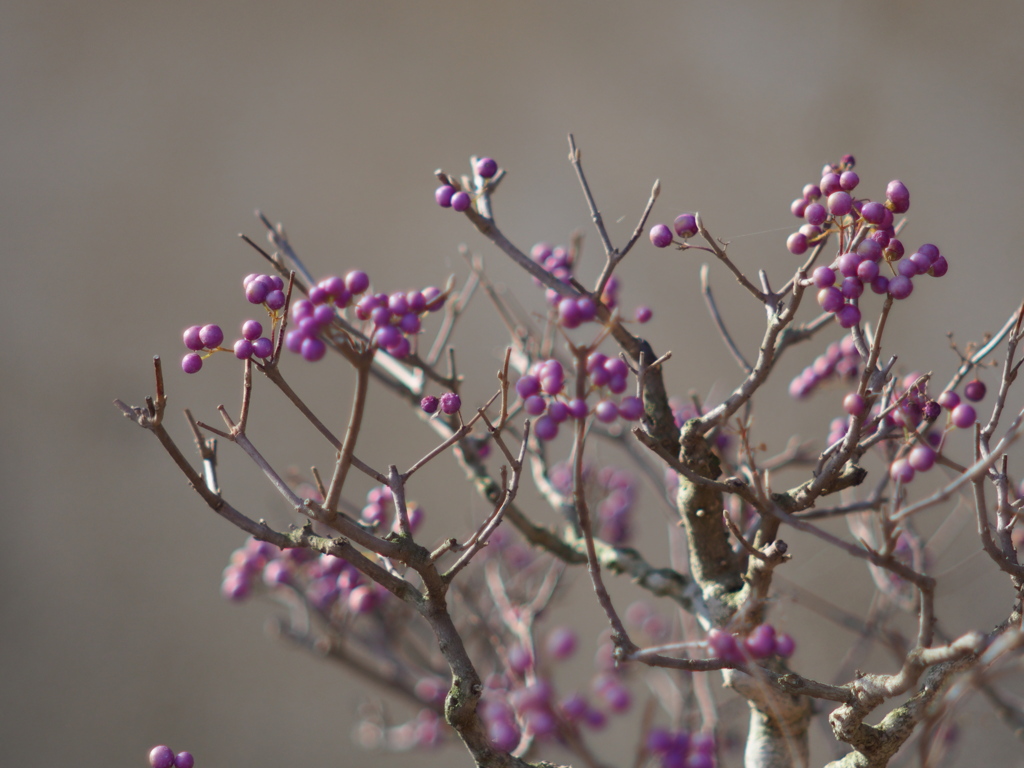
392 321
685 227
450 403
681 749
163 756
867 242
841 360
523 701
763 642
542 390
265 290
609 491
448 196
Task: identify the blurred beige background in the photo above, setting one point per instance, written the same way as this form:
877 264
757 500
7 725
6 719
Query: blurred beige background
138 138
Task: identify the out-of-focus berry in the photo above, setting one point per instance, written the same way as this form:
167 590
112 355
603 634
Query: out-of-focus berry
461 201
964 416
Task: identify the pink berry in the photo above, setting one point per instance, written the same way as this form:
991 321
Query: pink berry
643 314
429 404
184 760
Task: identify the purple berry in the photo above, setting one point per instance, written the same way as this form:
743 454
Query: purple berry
685 225
263 347
824 277
829 183
921 458
486 167
243 349
799 207
184 760
840 203
191 338
528 386
784 645
898 196
880 284
191 363
450 403
256 292
854 404
443 195
313 349
724 646
211 335
849 180
848 315
661 236
900 287
388 336
461 202
606 411
815 213
161 757
797 243
867 270
357 281
760 643
545 428
643 314
275 300
870 249
852 287
558 411
587 308
535 405
631 408
901 471
429 404
811 192
906 267
964 416
577 408
939 267
975 390
569 313
252 330
849 262
949 400
830 299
